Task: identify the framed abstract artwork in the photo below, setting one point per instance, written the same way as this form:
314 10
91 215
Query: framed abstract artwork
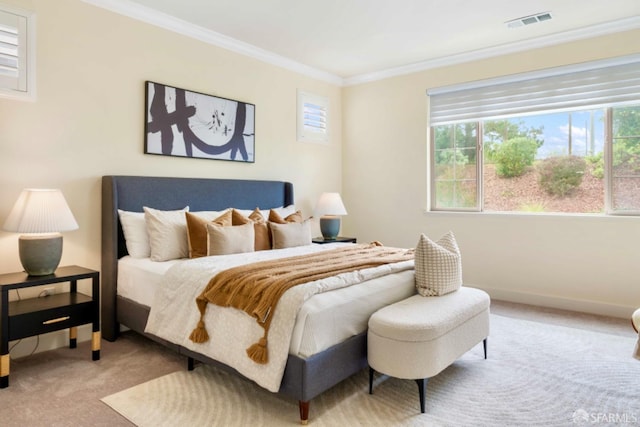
183 123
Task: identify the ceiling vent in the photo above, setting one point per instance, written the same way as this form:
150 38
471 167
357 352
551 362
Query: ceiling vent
528 20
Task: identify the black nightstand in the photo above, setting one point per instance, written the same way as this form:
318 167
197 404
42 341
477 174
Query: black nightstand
339 239
34 316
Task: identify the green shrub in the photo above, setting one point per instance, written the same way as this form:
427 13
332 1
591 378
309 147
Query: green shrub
514 156
558 176
597 163
626 155
451 156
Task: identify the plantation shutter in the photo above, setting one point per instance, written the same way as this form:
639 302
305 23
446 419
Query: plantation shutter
583 86
312 117
13 46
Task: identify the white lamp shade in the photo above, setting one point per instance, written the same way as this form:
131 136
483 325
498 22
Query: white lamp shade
40 211
330 204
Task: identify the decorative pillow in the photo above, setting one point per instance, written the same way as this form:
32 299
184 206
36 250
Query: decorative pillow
290 234
230 240
135 233
261 229
209 215
167 234
275 217
197 230
438 266
244 212
283 211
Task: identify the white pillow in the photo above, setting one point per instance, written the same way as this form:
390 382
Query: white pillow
438 265
167 233
236 239
135 233
290 234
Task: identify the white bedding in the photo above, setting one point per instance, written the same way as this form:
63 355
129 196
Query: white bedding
138 278
174 315
324 320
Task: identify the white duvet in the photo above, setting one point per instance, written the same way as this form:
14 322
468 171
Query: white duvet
174 313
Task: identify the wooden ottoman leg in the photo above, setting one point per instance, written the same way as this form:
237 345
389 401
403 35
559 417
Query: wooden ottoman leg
484 344
371 371
422 388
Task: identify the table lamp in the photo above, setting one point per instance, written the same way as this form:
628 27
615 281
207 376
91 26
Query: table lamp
329 208
40 214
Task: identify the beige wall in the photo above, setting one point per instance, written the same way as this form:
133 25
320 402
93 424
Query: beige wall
89 115
88 122
588 263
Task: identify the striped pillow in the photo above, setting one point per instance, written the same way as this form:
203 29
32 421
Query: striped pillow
438 266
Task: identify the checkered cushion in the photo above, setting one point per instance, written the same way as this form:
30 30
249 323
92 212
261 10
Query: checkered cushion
438 266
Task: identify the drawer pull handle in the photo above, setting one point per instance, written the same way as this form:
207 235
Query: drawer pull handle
59 319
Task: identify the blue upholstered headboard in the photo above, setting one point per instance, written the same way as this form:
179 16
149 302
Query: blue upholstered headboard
131 193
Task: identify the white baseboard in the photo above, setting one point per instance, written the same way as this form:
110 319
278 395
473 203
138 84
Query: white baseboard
584 306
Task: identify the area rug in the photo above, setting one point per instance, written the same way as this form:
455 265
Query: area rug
536 375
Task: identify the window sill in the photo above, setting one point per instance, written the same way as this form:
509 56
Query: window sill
529 215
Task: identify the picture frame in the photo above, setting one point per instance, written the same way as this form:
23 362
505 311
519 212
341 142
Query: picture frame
184 123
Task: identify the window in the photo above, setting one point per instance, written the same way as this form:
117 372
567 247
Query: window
565 141
312 118
16 54
625 159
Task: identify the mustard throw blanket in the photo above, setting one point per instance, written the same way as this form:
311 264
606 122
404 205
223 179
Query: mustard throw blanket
256 288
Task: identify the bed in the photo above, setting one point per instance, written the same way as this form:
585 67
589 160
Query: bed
304 377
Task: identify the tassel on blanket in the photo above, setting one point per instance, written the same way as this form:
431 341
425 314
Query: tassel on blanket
258 352
199 334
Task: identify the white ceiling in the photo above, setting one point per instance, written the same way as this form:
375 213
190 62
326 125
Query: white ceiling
357 40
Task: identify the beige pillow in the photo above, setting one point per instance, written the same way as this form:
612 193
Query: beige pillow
197 231
290 234
261 229
438 266
167 234
229 240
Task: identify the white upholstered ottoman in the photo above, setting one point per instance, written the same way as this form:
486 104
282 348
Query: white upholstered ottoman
420 336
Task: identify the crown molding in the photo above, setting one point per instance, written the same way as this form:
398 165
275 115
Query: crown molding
171 23
617 26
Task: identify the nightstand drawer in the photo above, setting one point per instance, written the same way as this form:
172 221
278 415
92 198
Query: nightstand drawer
50 315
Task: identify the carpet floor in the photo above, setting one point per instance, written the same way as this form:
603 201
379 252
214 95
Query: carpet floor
536 374
64 388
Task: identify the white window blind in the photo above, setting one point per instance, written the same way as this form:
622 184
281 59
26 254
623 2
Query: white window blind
583 86
312 117
16 51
